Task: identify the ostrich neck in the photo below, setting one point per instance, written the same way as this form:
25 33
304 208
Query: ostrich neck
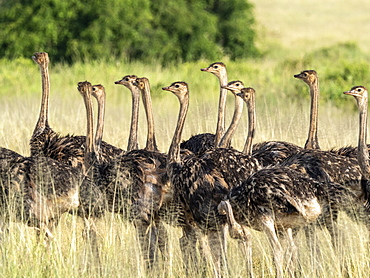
363 153
100 124
151 144
132 139
42 122
174 151
220 129
226 139
312 141
89 147
251 125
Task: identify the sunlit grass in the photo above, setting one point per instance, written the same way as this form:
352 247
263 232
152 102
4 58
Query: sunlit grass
279 117
282 114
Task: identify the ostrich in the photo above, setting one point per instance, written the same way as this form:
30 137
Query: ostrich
92 199
312 80
233 164
39 190
45 141
326 166
310 77
128 82
273 152
199 184
361 95
106 151
201 142
279 198
274 198
136 186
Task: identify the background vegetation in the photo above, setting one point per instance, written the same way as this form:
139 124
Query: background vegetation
331 40
181 30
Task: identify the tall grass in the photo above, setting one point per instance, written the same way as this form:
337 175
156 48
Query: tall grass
282 114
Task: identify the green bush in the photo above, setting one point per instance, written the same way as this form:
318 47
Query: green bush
146 30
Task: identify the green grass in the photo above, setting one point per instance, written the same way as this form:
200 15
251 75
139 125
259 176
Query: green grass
295 37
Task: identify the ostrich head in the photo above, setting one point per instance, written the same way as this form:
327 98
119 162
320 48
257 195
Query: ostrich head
217 69
246 93
141 83
308 76
98 91
127 81
180 89
360 94
84 87
235 86
41 58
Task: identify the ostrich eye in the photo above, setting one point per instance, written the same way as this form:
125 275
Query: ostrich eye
237 84
127 79
216 67
94 89
359 90
177 86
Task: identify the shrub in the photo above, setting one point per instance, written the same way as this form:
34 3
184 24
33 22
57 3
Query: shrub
173 30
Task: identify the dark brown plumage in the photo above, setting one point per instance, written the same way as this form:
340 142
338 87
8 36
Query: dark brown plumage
201 142
327 167
283 197
136 186
233 164
200 183
92 199
275 198
37 190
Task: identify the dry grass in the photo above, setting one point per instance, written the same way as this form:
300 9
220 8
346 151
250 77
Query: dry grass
290 28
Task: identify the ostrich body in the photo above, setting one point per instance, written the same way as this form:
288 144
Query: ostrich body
38 190
280 198
200 184
233 164
136 186
275 198
201 142
128 82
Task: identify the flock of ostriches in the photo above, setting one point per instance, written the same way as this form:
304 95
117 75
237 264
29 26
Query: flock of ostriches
203 185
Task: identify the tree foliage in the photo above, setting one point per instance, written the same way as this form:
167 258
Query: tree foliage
170 30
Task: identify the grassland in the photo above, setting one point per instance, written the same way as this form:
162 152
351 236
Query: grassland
325 36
